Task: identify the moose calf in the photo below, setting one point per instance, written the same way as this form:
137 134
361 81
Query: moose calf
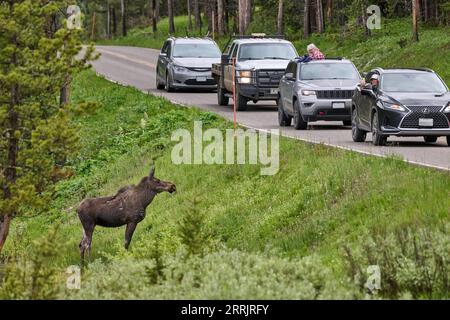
127 207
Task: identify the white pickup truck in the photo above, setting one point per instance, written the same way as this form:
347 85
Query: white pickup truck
260 63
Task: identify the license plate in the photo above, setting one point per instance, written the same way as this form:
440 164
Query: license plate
273 91
426 122
338 105
201 79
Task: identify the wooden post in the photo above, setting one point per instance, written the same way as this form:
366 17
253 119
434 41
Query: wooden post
93 26
415 7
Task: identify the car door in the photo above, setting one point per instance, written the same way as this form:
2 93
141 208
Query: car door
228 69
163 60
288 87
365 105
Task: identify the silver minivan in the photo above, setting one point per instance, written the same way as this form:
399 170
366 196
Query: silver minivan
185 63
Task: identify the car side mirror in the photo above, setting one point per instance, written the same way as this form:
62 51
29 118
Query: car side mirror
225 59
368 90
163 55
363 75
289 76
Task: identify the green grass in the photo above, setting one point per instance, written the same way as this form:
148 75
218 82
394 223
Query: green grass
322 199
389 47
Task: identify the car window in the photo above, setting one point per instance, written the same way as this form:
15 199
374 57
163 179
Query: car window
165 47
412 82
267 51
320 71
292 68
196 50
234 52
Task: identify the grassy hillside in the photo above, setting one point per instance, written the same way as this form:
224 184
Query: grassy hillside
307 232
388 47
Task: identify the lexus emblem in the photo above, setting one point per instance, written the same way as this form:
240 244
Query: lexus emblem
426 111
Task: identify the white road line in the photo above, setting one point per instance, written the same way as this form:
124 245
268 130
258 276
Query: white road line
294 137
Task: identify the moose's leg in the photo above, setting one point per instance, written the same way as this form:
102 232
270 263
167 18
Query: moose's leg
129 233
89 233
85 244
82 246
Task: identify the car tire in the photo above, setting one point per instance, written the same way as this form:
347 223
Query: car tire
448 141
222 99
159 86
347 123
168 86
299 123
283 119
358 135
377 138
430 139
241 102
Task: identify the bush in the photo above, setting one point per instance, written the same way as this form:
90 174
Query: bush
221 275
413 263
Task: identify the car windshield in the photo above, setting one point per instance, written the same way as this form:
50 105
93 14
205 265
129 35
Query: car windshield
196 50
412 82
320 71
267 51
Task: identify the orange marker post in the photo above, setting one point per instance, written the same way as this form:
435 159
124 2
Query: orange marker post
234 92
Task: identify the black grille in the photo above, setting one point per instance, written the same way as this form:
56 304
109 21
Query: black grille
194 82
411 121
200 69
269 78
334 94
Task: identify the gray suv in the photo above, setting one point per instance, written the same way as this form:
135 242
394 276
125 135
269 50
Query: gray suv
317 90
186 63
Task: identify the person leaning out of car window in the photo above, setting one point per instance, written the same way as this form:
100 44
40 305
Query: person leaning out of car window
314 53
373 84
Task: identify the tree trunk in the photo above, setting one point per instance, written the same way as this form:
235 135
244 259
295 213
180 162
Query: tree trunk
245 10
5 222
220 19
330 12
319 16
415 20
124 17
170 12
65 93
197 16
114 21
189 15
153 15
306 24
280 22
108 21
425 11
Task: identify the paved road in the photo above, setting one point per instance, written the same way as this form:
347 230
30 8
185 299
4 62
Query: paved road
136 67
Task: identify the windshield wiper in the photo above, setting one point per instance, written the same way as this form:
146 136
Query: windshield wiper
275 58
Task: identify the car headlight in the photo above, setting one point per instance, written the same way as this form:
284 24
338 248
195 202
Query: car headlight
393 106
308 93
180 69
447 109
245 77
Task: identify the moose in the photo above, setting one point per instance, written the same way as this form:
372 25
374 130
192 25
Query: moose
127 207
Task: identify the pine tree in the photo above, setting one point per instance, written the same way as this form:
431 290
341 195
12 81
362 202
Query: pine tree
37 134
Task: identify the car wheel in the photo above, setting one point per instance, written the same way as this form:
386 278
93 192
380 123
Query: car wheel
283 119
347 123
222 99
299 123
169 87
241 102
357 134
377 138
159 86
448 141
430 139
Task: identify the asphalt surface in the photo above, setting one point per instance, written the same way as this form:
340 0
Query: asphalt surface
136 67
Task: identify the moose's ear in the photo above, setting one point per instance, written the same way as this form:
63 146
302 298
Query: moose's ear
152 172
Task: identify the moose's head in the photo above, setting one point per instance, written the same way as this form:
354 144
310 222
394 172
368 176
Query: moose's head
157 185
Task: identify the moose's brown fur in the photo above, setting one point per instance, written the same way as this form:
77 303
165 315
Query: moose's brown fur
127 207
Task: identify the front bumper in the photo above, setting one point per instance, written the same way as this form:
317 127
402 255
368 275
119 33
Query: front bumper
255 93
193 80
394 122
314 109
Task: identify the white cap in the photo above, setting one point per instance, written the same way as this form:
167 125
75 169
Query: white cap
375 77
311 47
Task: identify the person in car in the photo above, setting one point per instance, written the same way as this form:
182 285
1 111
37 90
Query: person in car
374 82
314 52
